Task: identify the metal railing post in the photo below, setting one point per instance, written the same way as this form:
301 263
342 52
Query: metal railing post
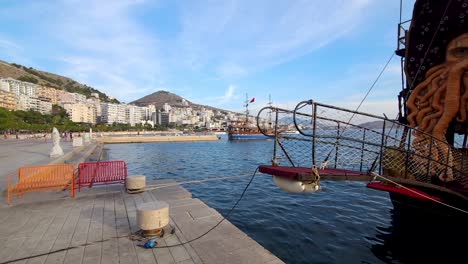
274 161
362 149
336 144
429 160
407 154
382 148
314 127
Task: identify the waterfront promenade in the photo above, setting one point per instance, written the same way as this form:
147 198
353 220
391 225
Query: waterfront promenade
94 227
25 152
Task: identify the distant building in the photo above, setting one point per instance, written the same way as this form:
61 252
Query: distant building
135 114
81 112
18 87
167 107
160 118
7 100
65 98
113 113
49 93
25 103
95 95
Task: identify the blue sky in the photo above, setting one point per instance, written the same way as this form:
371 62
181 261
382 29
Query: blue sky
214 52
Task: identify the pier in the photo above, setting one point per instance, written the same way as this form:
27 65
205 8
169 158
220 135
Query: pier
96 226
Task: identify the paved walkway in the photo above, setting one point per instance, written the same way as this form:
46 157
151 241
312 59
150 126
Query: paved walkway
94 228
17 153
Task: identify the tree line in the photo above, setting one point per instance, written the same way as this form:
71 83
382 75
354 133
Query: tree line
35 122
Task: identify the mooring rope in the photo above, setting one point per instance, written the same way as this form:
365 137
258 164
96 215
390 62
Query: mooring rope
165 185
418 193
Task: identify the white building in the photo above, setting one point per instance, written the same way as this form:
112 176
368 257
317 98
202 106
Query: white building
113 113
25 103
79 98
136 114
18 87
81 112
167 107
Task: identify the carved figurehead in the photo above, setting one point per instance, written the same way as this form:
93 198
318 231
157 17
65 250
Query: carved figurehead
436 66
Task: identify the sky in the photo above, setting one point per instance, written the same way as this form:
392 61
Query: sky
214 52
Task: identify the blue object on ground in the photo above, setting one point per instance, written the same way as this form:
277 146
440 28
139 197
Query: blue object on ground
150 244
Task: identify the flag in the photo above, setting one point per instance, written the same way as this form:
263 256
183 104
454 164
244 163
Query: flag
252 100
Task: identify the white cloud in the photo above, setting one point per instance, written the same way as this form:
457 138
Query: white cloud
234 38
100 43
228 96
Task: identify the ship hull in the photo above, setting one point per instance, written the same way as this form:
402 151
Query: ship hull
247 136
406 203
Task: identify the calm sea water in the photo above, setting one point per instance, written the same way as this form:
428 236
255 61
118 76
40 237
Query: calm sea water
344 222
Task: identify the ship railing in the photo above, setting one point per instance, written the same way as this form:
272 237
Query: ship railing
335 137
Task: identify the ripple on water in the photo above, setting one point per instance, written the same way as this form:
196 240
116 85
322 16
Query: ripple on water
342 223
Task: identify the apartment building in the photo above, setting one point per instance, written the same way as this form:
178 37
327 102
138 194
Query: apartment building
113 113
81 112
25 103
18 87
7 100
49 93
135 114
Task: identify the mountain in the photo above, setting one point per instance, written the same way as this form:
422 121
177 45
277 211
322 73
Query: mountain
379 124
29 74
159 98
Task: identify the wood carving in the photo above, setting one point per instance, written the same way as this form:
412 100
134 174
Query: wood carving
439 100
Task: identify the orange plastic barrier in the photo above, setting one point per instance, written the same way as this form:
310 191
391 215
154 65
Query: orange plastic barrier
43 178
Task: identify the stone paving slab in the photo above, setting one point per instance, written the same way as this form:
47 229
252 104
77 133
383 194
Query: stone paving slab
94 228
18 153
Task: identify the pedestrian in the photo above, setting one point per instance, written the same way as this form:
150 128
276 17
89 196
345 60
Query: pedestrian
71 136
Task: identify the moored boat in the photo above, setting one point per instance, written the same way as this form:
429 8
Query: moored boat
421 158
246 128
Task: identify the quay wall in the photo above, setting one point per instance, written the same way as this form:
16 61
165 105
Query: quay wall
147 139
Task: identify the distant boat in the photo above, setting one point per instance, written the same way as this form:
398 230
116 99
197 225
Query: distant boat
244 129
290 132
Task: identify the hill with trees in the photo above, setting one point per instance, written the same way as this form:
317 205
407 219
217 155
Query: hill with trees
29 74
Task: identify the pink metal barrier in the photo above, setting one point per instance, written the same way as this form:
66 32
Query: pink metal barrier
101 172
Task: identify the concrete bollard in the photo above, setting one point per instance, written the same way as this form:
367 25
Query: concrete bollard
77 141
152 217
86 138
135 183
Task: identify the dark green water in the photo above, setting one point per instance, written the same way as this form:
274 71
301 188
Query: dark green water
344 222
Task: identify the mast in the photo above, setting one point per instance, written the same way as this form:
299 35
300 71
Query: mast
269 112
246 108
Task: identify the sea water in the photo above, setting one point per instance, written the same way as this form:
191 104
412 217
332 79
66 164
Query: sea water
344 222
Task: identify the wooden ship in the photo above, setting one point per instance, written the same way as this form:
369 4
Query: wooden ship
421 157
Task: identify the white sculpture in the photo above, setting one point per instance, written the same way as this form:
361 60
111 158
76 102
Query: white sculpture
90 133
56 149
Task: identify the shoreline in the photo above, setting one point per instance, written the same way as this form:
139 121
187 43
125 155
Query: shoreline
149 139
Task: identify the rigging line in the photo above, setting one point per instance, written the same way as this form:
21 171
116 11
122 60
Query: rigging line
168 246
159 186
418 193
429 47
362 101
